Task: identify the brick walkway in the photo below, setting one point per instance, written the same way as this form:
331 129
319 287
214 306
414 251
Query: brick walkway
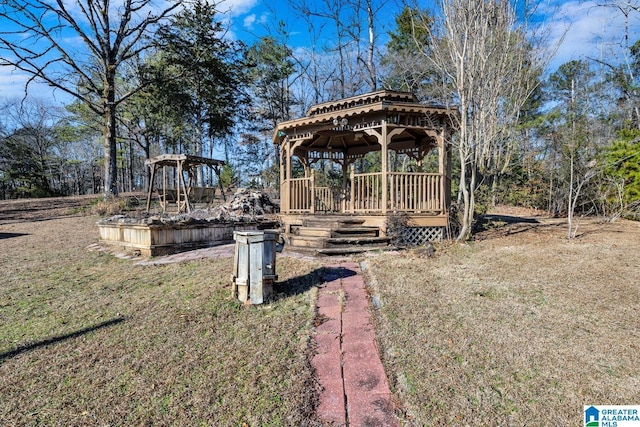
347 363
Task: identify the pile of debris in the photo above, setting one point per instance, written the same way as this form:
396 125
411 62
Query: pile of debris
245 204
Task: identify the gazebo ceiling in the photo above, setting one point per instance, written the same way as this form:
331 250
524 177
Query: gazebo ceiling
358 142
330 138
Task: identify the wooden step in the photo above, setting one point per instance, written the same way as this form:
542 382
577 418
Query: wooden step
357 241
338 232
308 241
315 231
359 231
331 222
332 242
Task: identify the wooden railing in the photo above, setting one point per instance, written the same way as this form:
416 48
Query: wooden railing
328 199
296 195
406 192
366 192
415 192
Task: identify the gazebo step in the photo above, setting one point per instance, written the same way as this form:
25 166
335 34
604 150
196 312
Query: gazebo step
320 242
315 232
331 222
360 231
308 241
356 240
338 232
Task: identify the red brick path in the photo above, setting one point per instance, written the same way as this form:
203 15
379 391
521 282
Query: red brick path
347 362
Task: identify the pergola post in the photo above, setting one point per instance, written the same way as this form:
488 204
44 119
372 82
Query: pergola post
151 183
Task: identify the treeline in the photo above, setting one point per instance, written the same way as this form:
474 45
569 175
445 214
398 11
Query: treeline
565 141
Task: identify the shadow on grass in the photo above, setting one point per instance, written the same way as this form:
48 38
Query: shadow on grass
60 338
301 284
11 235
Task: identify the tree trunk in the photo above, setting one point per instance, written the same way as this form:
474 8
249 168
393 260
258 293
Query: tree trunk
110 139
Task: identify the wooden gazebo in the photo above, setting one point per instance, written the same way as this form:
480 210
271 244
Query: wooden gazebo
174 188
394 129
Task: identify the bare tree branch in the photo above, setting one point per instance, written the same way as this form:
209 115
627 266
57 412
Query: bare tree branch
36 42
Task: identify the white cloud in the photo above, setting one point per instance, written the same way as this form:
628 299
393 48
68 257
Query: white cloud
235 8
251 20
589 31
13 81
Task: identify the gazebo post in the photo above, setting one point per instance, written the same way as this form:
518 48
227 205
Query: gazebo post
281 160
352 201
345 180
384 167
288 176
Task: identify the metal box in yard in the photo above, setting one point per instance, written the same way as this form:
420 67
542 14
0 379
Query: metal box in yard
254 265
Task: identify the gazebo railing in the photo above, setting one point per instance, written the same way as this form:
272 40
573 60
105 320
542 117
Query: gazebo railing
366 192
415 192
406 192
298 197
329 199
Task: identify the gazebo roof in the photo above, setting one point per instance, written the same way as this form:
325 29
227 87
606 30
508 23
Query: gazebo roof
353 110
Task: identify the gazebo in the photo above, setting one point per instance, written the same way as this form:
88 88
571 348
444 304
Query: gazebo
174 188
360 160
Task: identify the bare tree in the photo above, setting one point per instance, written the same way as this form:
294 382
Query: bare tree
626 72
489 61
352 27
105 33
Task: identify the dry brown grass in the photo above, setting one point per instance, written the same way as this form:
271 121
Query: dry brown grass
520 328
90 339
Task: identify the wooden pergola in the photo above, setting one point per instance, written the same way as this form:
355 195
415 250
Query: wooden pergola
344 132
182 188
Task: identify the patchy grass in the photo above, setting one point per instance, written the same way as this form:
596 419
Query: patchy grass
89 339
522 328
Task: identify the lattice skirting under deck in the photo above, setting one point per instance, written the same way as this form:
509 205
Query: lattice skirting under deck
420 236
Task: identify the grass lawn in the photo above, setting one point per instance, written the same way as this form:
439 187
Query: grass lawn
522 328
90 339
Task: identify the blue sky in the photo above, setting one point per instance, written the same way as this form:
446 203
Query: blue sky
589 31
